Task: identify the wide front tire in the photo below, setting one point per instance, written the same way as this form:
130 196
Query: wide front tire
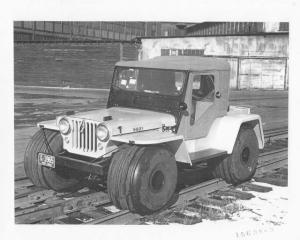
58 179
142 179
241 165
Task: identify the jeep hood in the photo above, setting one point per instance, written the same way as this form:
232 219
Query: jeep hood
122 120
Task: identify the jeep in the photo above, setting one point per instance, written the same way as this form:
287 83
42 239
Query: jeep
161 113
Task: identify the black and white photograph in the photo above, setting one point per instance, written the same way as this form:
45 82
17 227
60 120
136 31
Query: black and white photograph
152 123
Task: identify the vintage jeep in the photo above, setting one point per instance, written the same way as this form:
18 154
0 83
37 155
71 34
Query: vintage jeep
161 113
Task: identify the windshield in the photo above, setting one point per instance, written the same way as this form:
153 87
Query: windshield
158 81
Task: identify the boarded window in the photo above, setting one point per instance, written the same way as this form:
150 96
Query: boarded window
181 52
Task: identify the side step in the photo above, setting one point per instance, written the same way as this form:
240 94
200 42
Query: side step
206 154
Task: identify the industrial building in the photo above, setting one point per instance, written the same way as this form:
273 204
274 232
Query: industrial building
83 54
257 52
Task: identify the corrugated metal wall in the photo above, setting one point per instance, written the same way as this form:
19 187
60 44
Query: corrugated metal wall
58 30
232 28
73 65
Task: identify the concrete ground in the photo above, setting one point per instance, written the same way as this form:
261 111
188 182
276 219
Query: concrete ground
35 104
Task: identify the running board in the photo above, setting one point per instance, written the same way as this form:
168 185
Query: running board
206 154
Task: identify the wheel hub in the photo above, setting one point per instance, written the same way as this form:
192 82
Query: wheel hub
157 181
245 154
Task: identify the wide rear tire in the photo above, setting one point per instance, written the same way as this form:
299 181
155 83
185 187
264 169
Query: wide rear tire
58 179
241 165
142 179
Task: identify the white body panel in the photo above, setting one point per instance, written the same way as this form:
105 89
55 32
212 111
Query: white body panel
172 140
224 131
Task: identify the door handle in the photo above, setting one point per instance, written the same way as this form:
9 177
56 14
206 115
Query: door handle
218 94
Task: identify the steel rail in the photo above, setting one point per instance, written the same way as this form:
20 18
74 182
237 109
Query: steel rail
34 215
61 208
276 132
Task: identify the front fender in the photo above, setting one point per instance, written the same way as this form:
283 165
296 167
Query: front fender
173 141
51 124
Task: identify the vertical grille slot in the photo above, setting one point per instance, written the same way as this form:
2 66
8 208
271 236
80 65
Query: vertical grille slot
86 132
95 137
81 137
73 133
90 137
76 133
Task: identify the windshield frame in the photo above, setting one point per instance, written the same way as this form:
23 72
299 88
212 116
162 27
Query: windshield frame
119 97
182 92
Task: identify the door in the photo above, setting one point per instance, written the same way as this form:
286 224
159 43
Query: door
262 73
205 102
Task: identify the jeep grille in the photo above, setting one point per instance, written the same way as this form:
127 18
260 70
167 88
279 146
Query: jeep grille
84 135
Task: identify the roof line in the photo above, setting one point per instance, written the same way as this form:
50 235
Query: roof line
73 41
219 35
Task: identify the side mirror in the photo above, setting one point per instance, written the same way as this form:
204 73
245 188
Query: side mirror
182 106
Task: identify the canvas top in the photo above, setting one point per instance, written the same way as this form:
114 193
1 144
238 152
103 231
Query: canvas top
186 63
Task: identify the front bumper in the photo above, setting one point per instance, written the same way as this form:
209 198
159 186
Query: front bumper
68 161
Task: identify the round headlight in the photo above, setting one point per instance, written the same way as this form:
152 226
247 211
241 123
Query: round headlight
64 126
102 133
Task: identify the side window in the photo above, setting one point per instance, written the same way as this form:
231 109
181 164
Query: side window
203 87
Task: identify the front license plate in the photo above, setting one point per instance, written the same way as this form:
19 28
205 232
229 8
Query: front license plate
46 160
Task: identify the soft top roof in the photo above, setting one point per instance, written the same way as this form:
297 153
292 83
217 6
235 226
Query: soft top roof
179 63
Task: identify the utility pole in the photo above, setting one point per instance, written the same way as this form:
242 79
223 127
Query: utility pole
100 28
146 25
125 31
33 31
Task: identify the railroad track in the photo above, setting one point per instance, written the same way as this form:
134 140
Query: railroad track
92 206
268 161
275 133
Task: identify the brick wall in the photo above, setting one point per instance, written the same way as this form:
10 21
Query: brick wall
68 64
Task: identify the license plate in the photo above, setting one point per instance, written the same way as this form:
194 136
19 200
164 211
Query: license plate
46 160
